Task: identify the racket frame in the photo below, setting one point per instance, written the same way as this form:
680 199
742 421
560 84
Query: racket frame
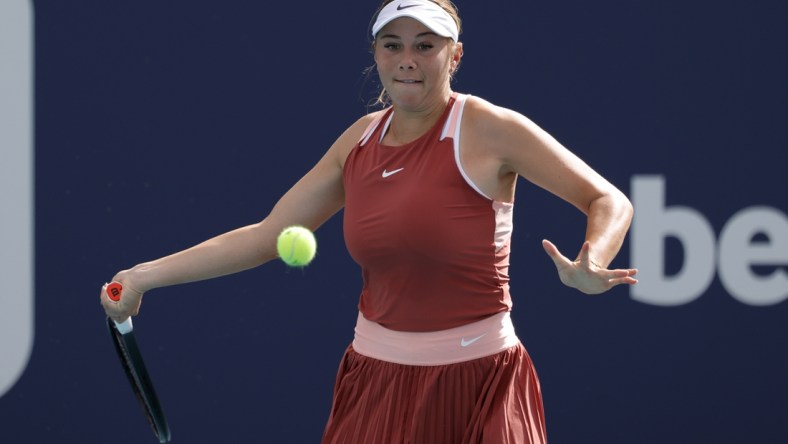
134 367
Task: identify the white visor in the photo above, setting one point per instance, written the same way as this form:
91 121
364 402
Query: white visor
428 13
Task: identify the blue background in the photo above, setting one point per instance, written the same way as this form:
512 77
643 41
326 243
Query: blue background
162 123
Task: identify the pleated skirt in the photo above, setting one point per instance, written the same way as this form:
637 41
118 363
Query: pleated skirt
495 399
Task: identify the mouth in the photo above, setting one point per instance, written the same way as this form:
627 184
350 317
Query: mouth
408 81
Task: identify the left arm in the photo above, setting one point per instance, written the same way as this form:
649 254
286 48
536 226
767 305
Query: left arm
520 148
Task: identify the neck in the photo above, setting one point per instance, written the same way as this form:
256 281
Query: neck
408 124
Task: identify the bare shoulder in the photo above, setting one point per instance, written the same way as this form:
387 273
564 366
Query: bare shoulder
518 144
500 132
350 137
357 129
480 107
493 122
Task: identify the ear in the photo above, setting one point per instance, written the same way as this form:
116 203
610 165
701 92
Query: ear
458 52
372 49
457 55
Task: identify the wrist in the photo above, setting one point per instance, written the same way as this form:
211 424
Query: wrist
590 261
133 279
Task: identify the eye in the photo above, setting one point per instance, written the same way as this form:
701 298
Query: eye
425 46
391 46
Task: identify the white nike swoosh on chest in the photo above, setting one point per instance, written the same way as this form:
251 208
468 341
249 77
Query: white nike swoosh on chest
392 172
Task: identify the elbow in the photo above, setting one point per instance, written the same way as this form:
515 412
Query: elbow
612 206
615 205
624 207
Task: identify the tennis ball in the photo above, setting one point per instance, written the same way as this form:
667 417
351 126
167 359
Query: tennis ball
296 246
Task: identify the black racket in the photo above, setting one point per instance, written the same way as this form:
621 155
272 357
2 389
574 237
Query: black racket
130 358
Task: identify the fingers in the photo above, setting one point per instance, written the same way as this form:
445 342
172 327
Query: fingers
118 303
584 274
624 276
548 246
584 249
554 253
584 257
623 272
625 281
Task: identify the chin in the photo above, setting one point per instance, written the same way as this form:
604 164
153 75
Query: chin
407 99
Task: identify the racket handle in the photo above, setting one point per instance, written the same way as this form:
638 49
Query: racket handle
125 326
114 290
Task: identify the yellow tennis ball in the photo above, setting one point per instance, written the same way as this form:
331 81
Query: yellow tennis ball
296 246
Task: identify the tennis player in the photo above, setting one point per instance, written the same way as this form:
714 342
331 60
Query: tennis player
427 184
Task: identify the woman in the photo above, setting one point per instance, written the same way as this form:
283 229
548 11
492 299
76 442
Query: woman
427 185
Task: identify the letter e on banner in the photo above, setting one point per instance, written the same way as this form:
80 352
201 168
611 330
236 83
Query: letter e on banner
739 252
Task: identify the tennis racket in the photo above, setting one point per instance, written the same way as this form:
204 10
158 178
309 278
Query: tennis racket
131 360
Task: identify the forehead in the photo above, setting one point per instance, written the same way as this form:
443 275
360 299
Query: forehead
404 27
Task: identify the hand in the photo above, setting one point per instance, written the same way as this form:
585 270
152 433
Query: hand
583 274
128 305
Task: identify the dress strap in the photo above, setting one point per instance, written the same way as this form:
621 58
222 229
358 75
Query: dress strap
373 126
452 126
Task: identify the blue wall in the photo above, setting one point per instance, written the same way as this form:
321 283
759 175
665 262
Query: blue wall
161 123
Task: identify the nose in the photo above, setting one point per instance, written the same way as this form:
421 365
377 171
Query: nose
407 63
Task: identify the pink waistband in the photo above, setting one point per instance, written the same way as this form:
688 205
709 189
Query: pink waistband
472 341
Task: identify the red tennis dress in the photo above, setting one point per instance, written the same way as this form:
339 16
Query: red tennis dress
435 359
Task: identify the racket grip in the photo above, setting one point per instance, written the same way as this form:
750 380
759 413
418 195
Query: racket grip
114 291
125 326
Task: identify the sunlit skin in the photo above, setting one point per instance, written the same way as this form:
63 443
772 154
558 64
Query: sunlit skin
415 65
499 146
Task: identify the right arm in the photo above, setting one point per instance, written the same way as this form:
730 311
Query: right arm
310 202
